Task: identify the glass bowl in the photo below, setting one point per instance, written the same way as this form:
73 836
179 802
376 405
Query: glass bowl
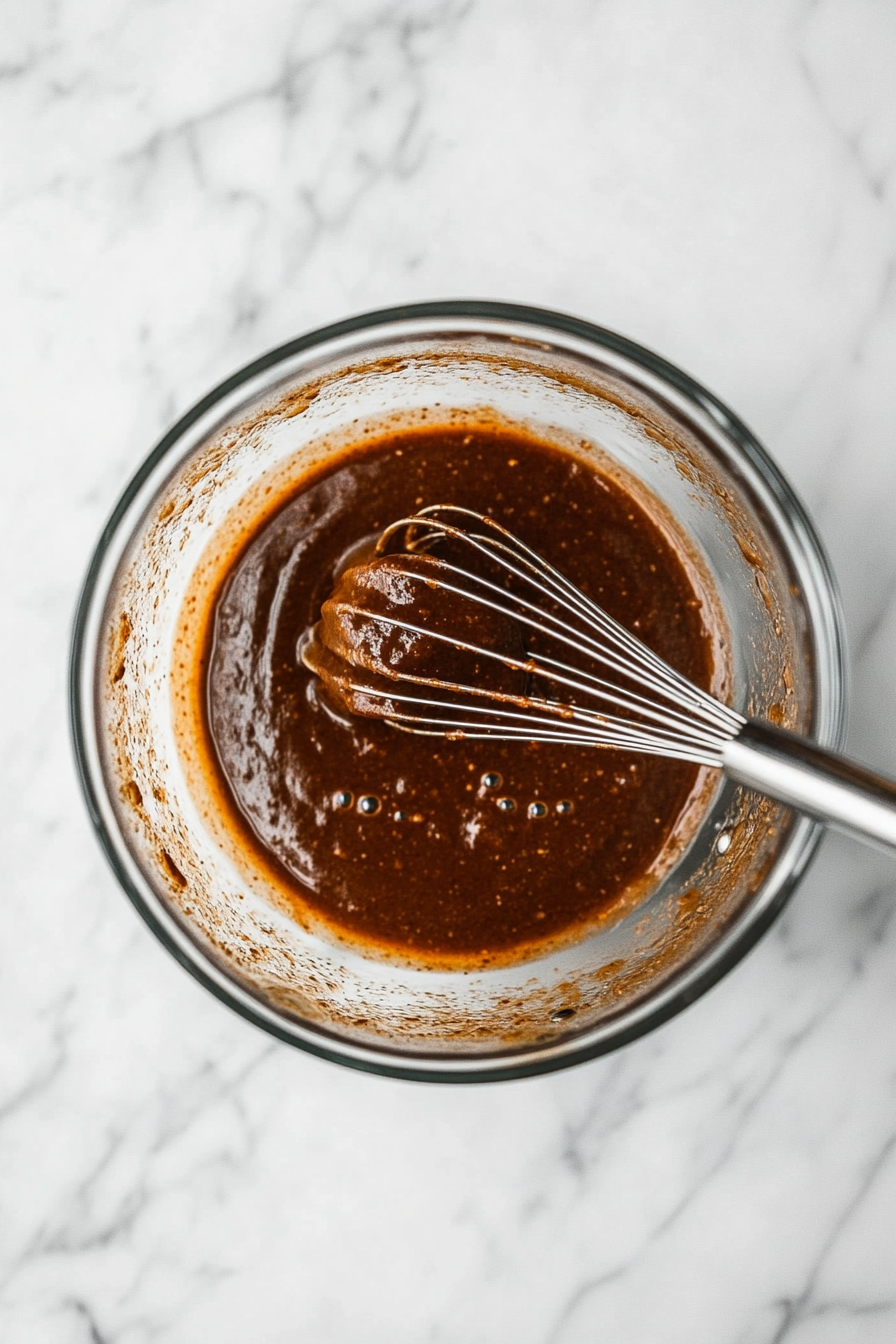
606 399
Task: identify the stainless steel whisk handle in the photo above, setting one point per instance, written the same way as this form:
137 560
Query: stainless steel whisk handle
794 771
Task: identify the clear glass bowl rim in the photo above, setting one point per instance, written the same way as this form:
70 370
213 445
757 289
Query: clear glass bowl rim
831 672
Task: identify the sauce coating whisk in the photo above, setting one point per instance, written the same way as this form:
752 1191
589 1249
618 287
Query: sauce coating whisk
577 676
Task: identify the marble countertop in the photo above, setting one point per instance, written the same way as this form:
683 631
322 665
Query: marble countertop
183 186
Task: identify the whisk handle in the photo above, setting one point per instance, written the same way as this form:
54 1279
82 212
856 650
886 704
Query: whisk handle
794 771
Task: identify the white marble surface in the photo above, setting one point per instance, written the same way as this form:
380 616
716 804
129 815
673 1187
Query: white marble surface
183 185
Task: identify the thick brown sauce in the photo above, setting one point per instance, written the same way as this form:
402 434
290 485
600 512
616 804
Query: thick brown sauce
440 849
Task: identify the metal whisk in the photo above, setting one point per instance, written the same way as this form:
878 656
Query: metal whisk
615 691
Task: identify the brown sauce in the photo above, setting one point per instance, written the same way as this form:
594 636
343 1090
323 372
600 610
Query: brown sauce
442 850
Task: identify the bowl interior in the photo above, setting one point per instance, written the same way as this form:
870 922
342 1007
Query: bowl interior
717 493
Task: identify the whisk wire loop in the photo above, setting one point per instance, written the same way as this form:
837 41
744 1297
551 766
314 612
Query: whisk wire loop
647 707
544 577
